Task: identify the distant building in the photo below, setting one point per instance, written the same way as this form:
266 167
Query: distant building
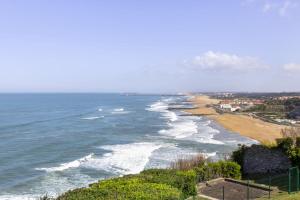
225 106
229 107
235 108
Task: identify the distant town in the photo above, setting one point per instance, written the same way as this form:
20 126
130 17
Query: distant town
279 108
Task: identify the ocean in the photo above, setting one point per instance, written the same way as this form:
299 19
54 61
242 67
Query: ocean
50 143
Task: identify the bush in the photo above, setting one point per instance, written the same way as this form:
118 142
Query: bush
82 194
225 169
230 170
238 155
285 143
183 180
294 156
189 162
298 142
127 188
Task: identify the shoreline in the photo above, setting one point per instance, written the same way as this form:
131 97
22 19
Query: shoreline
264 132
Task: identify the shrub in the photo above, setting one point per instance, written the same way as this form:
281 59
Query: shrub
82 194
238 155
285 143
230 170
189 162
225 169
294 156
183 180
298 142
127 188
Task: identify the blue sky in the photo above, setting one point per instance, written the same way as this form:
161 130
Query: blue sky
149 46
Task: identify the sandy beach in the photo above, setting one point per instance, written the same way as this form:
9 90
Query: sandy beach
264 132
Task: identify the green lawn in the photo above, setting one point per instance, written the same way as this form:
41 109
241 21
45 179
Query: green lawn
285 196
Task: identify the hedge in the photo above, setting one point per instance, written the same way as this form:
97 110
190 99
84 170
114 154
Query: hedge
225 169
125 189
183 180
155 184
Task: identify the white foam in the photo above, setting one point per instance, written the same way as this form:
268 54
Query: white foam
187 128
171 116
19 197
100 109
119 110
162 106
208 155
184 127
92 118
124 158
180 130
72 164
52 184
158 106
206 135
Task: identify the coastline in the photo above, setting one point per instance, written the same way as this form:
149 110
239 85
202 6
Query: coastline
264 132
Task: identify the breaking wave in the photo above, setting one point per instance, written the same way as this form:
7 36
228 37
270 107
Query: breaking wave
72 164
92 118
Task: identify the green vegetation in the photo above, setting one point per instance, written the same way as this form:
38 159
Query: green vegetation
156 184
183 180
284 196
277 109
124 188
225 169
166 184
238 155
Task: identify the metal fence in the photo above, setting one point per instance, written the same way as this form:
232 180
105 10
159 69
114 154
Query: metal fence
257 186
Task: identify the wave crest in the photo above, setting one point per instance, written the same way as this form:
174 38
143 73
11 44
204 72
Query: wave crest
72 164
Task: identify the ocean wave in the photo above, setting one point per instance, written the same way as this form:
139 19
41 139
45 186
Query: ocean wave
72 164
119 111
188 128
158 106
92 118
185 127
162 106
100 109
52 184
208 155
124 158
206 135
19 197
172 116
180 130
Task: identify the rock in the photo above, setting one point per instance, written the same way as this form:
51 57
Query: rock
259 160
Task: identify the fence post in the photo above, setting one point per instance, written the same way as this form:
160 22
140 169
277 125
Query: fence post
223 190
248 190
289 190
269 185
116 195
297 179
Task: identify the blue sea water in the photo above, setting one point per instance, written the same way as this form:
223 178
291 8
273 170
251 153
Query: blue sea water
50 143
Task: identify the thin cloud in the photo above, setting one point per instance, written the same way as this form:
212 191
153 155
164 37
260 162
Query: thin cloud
223 61
292 67
282 8
269 7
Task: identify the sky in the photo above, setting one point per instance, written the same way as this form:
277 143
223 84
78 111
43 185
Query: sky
149 46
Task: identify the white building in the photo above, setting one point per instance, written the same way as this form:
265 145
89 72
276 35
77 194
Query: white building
229 107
